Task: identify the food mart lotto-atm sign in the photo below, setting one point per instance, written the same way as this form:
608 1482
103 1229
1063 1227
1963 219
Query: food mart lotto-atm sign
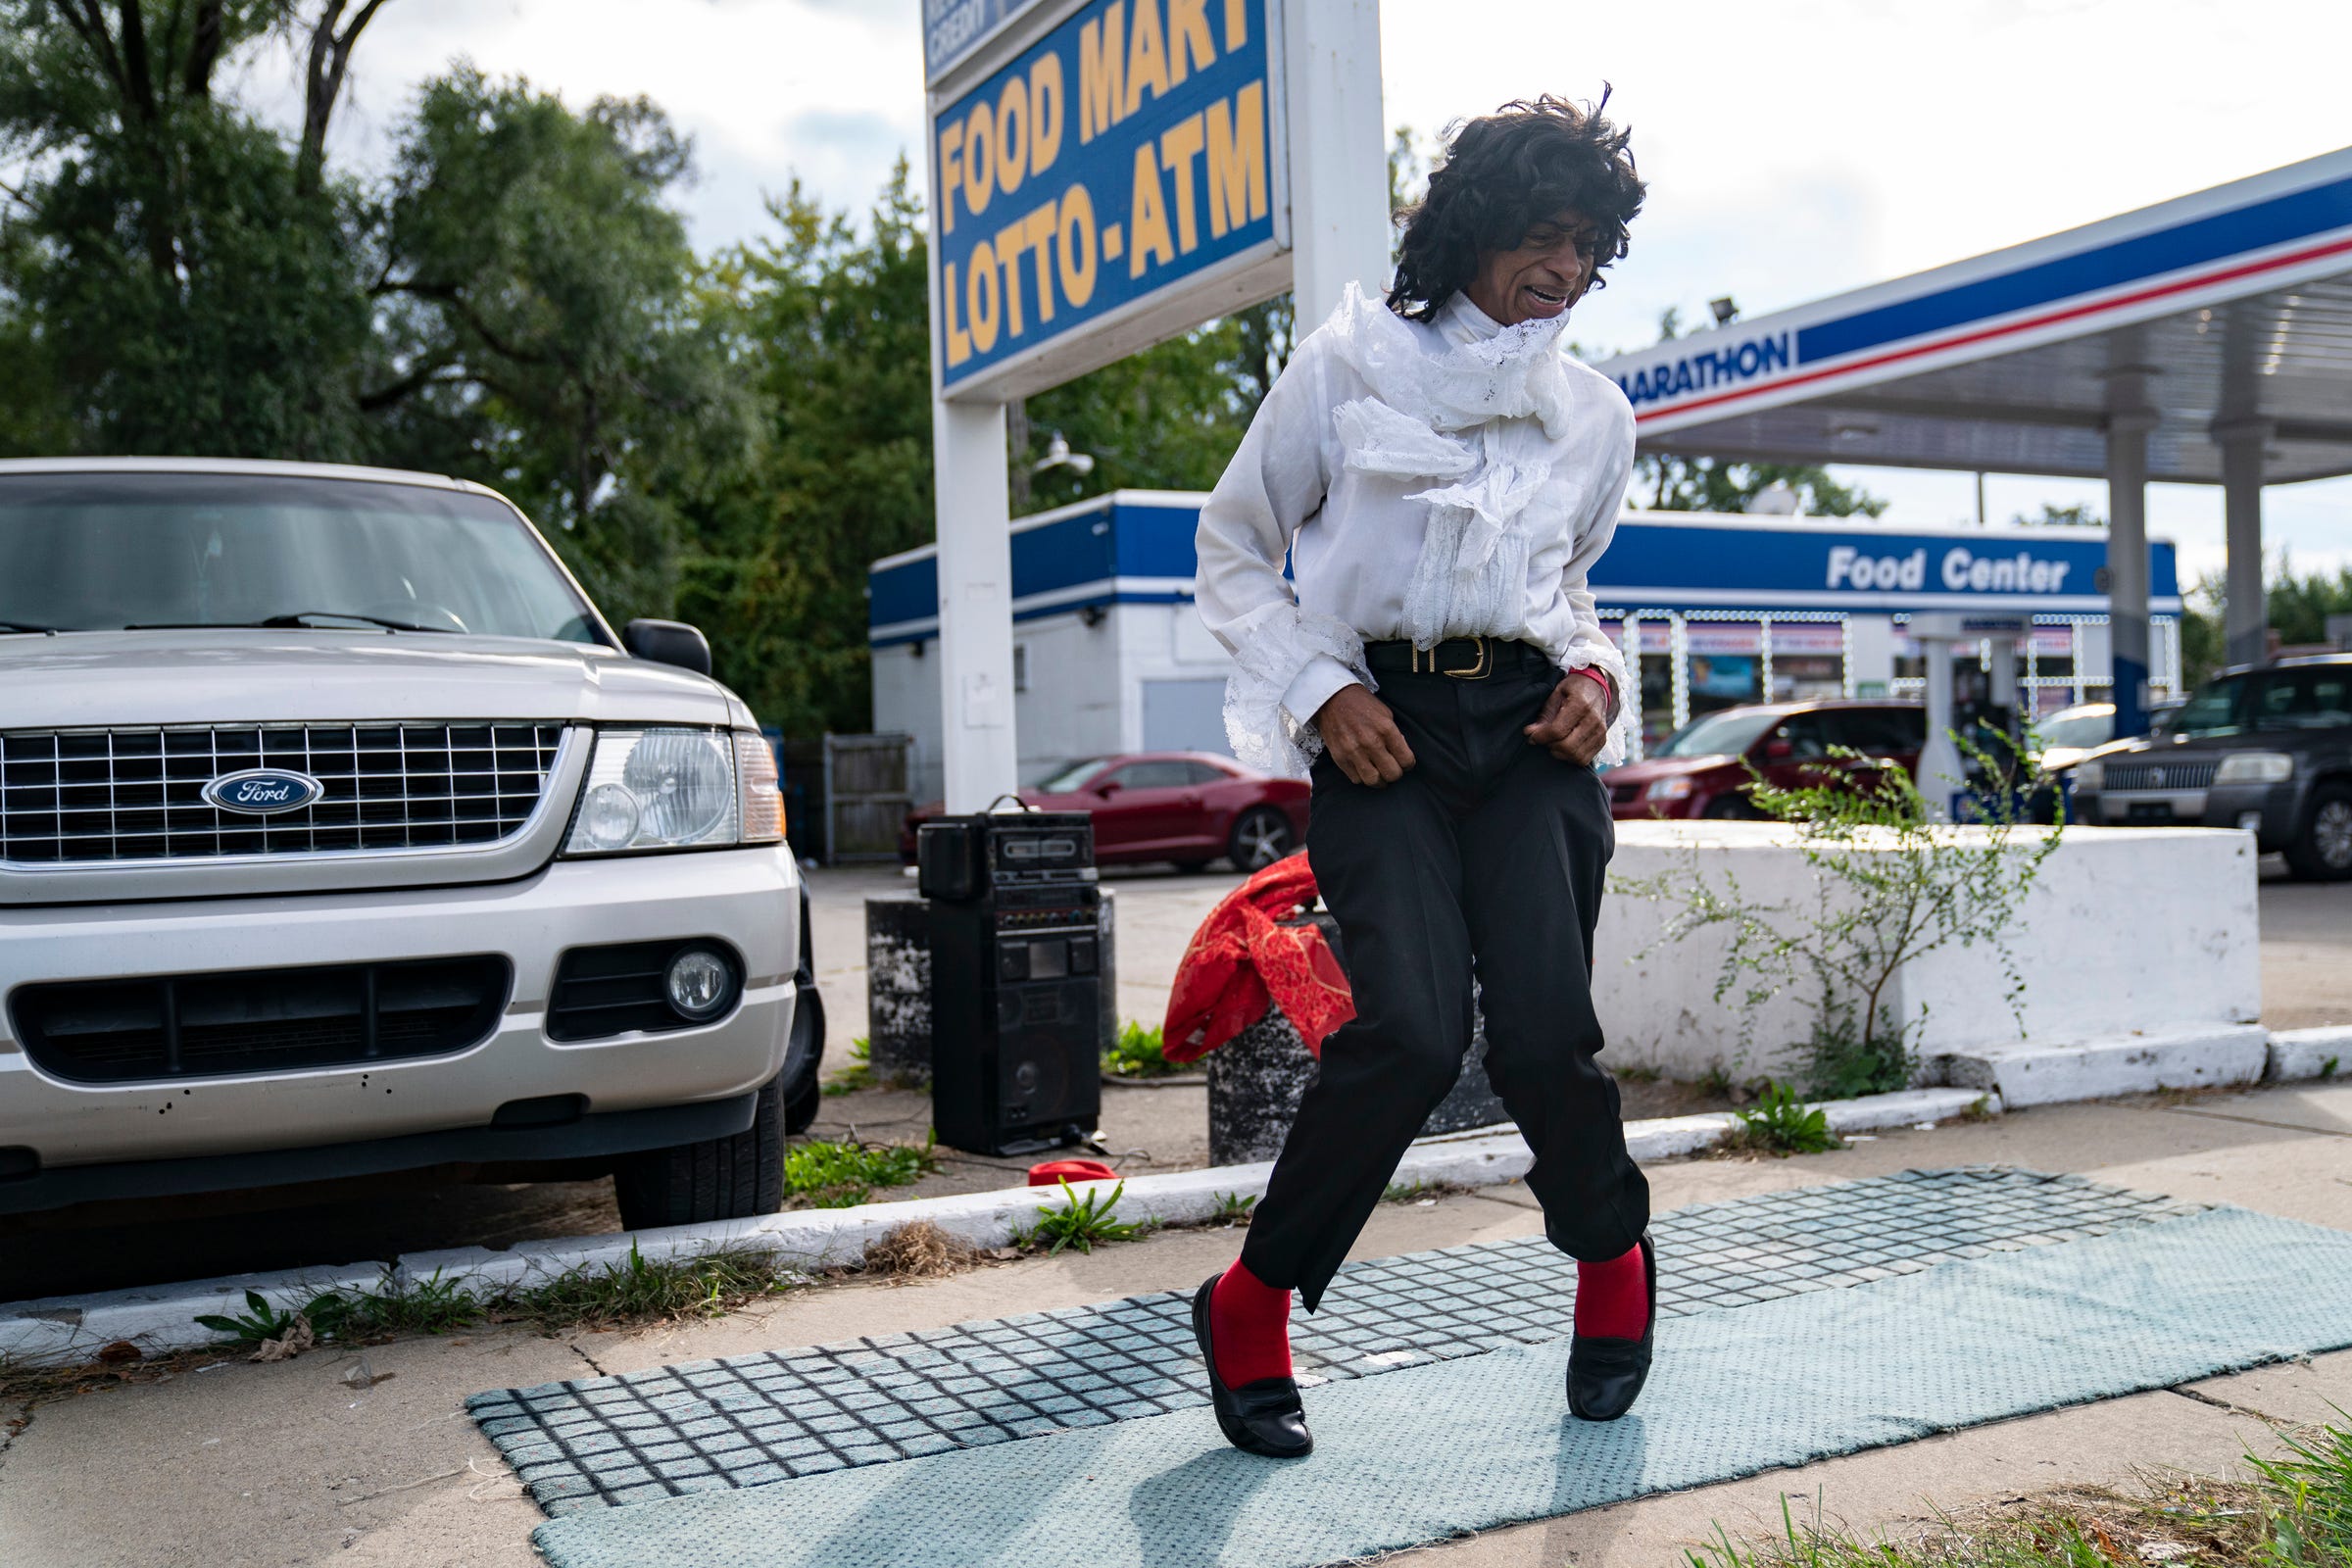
1125 162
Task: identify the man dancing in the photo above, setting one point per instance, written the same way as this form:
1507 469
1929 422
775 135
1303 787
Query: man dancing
1441 476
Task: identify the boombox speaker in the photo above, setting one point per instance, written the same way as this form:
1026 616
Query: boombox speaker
1015 979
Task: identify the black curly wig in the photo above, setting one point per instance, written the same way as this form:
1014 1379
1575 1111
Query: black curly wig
1505 174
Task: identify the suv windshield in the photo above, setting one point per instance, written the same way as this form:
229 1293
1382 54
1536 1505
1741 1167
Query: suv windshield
2310 696
1724 734
102 552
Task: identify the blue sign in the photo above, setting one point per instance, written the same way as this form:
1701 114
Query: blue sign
1128 151
263 791
953 29
1696 565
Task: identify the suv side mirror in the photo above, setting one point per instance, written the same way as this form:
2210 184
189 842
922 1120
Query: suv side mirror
668 642
1108 787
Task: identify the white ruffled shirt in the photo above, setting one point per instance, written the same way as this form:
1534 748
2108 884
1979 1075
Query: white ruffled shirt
1426 480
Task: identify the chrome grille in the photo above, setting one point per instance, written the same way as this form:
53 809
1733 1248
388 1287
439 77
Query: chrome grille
92 796
2158 776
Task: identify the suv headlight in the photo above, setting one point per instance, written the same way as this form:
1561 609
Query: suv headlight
2255 767
1674 788
2089 775
675 789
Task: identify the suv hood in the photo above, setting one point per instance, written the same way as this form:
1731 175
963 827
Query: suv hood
118 679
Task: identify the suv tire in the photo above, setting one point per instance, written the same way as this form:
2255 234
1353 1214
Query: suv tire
737 1177
2321 849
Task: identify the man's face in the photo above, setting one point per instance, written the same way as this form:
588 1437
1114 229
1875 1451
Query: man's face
1540 277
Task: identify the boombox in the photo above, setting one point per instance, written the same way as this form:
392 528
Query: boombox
1016 1001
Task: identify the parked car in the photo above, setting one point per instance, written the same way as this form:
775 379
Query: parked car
1702 768
340 834
1186 806
2267 748
2069 735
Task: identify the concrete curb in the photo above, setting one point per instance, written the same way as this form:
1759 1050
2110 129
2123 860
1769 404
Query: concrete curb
2201 1057
162 1318
2323 1052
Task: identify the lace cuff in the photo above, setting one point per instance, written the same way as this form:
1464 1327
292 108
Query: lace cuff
1274 648
1622 724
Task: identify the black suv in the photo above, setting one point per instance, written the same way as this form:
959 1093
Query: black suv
2268 748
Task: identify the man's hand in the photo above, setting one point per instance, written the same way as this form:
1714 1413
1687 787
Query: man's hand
1575 724
1362 735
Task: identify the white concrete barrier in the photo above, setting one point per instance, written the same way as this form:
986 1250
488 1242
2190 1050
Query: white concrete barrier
2149 931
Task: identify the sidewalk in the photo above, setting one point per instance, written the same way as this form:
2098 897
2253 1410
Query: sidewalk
287 1463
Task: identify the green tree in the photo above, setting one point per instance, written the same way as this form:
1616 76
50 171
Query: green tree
539 325
830 325
1667 481
2298 607
185 272
2075 515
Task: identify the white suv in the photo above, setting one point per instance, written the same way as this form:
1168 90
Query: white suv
339 834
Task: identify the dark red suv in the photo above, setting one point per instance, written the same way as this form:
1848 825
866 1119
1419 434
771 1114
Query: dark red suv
1702 768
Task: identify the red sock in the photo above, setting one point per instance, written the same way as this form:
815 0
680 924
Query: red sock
1249 1324
1612 1298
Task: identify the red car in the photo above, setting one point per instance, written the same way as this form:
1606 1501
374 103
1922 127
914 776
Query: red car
1184 806
1702 770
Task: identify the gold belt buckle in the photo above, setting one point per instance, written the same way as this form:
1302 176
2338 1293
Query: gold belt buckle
1478 671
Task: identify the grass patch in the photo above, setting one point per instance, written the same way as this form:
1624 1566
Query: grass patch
1843 1061
1781 1123
858 1074
1137 1053
1080 1222
838 1175
1232 1208
1413 1191
634 1291
638 1290
2293 1512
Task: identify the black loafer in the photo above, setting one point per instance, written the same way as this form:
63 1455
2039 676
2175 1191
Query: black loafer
1262 1417
1605 1375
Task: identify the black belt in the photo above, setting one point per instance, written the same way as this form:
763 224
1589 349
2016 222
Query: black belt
1462 657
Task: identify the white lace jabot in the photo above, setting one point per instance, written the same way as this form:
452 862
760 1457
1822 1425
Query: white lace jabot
1426 480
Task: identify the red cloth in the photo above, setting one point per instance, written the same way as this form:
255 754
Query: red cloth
1241 957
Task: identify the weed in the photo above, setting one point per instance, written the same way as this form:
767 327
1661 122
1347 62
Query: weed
858 1074
635 1290
1781 1123
838 1175
1979 1109
1137 1053
1414 1190
1843 1061
1080 1222
1233 1208
433 1306
1637 1075
260 1321
2292 1512
2328 1068
640 1291
1716 1082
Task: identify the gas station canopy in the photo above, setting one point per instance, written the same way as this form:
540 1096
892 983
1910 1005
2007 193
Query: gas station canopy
2236 303
2203 340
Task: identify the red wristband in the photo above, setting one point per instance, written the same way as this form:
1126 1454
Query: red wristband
1609 691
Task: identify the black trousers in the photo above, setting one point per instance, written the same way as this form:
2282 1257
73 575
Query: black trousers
1488 858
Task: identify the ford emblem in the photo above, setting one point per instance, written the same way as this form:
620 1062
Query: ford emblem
263 791
2156 779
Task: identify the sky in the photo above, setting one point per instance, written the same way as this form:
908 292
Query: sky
1795 148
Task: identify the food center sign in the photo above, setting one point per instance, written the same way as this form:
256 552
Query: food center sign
1119 176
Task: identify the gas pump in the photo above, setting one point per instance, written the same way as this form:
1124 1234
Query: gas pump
1980 703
